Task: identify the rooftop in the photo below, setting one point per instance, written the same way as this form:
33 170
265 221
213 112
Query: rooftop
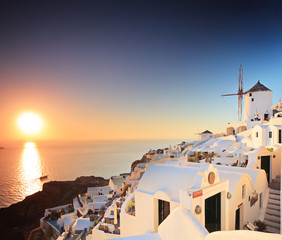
258 88
118 181
207 131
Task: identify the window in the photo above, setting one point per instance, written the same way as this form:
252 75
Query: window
270 134
260 200
164 210
250 94
243 191
257 134
280 136
253 99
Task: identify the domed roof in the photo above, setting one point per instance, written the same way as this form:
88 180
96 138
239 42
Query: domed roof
258 88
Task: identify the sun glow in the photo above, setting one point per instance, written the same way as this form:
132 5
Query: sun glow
30 123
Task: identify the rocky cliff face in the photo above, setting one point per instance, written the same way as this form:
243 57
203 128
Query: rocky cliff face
19 219
145 159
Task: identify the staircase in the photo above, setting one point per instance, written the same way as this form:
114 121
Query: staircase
272 215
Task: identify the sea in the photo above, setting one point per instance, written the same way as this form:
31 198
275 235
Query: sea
23 163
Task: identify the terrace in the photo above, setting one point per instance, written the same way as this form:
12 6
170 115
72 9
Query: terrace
110 224
52 215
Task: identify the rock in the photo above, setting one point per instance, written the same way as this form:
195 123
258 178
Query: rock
144 159
94 180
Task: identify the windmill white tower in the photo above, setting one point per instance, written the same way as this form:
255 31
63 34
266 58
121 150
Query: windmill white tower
258 101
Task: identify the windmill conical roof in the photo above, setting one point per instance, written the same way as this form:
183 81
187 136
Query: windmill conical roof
207 131
258 88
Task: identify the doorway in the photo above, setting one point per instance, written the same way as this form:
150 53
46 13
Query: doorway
237 219
265 164
213 213
164 210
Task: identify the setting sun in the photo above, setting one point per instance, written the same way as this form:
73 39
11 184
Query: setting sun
30 123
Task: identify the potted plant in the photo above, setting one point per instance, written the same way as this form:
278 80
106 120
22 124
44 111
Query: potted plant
261 225
131 207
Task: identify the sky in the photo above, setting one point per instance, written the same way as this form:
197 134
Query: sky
120 69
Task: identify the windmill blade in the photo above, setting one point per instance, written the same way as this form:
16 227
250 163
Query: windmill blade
232 94
274 107
240 93
240 98
242 81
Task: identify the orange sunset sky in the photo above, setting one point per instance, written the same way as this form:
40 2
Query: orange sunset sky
97 116
133 70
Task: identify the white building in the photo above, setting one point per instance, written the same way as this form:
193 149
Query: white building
116 183
206 196
206 135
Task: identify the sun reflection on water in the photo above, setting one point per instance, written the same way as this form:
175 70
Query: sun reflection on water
31 169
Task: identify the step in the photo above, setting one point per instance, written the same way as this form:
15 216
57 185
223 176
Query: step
272 230
272 218
274 201
272 224
274 212
274 196
274 191
276 180
273 207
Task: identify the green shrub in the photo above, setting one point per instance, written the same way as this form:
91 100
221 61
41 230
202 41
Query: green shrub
62 211
71 208
192 159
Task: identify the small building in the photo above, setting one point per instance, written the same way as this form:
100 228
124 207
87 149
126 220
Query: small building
268 160
206 135
266 135
116 183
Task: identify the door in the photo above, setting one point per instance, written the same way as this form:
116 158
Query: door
213 213
265 164
280 136
164 210
237 219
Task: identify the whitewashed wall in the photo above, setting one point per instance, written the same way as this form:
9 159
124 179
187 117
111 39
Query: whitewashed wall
262 102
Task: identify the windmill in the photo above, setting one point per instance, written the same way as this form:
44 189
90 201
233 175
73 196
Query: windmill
240 93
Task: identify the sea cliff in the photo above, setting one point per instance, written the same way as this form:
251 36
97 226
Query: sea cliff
17 220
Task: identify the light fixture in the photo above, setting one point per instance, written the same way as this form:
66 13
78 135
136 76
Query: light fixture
198 209
228 195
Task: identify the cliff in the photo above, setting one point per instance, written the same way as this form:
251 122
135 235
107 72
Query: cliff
145 159
17 220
